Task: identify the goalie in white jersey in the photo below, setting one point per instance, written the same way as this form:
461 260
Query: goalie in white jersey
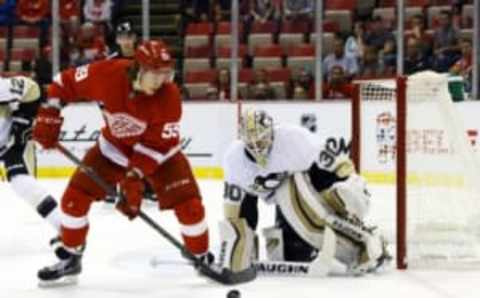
19 100
322 201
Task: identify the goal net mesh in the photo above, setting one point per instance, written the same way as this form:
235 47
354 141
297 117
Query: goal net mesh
443 171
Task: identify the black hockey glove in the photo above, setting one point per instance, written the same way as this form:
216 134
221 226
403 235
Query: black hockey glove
21 131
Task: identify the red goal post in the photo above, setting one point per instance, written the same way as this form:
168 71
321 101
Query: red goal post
434 188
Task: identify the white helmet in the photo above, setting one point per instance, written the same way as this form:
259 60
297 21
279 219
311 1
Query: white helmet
256 131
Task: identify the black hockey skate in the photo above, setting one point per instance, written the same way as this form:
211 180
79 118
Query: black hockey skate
207 259
63 273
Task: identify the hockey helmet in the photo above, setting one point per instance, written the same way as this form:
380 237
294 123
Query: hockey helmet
256 132
125 28
152 55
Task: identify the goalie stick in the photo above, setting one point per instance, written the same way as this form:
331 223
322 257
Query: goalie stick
324 264
220 275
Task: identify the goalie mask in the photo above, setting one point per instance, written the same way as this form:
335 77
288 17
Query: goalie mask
256 131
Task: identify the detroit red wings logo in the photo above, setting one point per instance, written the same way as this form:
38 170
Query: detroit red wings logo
123 125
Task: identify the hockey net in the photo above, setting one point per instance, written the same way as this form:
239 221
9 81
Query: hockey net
422 147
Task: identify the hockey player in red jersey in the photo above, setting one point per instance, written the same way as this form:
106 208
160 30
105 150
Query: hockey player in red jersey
142 109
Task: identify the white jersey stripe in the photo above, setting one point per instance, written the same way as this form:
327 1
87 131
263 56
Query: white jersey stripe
72 222
195 229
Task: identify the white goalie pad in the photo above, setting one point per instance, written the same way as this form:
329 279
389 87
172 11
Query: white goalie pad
238 245
350 197
307 223
309 214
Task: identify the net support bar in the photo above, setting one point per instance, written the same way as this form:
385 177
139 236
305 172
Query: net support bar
401 179
234 51
146 19
318 50
400 36
55 37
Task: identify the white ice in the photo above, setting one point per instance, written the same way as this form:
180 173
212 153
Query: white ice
129 259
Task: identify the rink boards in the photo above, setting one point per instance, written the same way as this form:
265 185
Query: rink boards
207 128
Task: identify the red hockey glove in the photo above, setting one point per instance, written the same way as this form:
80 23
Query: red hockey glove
47 127
132 188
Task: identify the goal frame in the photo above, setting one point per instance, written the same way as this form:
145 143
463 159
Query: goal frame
401 159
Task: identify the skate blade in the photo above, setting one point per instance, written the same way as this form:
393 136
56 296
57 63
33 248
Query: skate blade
61 282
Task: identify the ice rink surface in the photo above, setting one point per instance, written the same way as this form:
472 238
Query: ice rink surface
129 259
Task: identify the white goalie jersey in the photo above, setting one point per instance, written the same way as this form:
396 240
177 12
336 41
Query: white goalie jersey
294 149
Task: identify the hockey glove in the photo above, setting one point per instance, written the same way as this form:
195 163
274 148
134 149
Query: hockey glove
131 188
47 127
21 131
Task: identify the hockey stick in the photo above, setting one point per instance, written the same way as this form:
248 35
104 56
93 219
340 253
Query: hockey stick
224 276
321 266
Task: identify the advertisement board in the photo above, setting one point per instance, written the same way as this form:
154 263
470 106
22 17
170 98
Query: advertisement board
207 128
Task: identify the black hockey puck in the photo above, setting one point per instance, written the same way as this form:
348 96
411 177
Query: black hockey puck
233 294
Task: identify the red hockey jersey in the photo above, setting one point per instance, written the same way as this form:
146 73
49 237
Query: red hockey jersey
142 128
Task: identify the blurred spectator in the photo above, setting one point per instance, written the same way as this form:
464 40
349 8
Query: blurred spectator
184 93
369 66
125 41
388 58
338 57
43 67
418 32
378 34
355 44
302 85
260 88
337 85
260 10
32 11
200 9
27 67
364 9
98 11
69 9
89 46
220 89
445 43
298 9
7 9
221 10
68 41
415 58
463 67
457 17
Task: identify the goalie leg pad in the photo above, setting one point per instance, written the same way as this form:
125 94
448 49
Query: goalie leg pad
238 245
349 198
372 245
350 227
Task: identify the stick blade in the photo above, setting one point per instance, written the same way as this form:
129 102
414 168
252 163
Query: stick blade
228 277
